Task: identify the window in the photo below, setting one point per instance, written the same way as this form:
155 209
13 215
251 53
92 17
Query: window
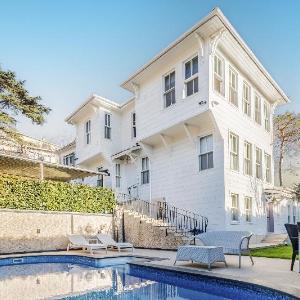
191 76
133 125
267 116
107 126
118 175
234 151
289 213
206 156
100 178
294 213
257 109
233 87
169 93
258 163
69 160
145 176
268 167
235 211
247 158
88 132
218 75
246 99
248 209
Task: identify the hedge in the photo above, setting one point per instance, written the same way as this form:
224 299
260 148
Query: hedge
20 193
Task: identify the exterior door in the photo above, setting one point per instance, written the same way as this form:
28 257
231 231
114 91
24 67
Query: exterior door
270 217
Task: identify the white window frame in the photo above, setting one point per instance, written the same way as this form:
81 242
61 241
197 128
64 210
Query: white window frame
118 175
107 126
69 159
100 178
248 208
170 90
248 160
193 77
234 153
258 163
267 116
257 108
233 91
133 125
219 74
246 99
88 135
145 170
206 152
235 208
268 168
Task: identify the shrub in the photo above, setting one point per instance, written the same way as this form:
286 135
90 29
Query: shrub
20 193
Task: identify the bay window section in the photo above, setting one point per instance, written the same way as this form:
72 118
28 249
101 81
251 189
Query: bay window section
206 156
169 93
107 126
118 175
234 151
191 76
268 168
257 109
133 125
218 75
235 210
267 116
248 209
145 174
247 158
246 99
88 132
233 87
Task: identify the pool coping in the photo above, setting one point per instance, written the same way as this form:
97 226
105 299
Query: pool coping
289 291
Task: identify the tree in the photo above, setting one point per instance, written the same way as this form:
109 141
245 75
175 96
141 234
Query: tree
14 100
287 136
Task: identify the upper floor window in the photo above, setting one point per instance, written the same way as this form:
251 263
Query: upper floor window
118 175
191 76
206 157
246 99
258 163
233 87
145 174
268 168
257 109
247 158
248 209
88 132
218 75
267 116
234 151
133 125
235 207
169 93
107 126
69 160
100 178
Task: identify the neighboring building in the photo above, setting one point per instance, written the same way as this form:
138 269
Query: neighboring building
28 147
67 154
198 132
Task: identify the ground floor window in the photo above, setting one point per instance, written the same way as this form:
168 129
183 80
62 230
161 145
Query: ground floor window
118 175
145 174
206 157
248 209
100 178
235 207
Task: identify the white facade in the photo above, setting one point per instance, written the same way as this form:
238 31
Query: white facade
203 116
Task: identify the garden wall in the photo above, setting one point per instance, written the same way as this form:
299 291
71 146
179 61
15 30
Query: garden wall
27 231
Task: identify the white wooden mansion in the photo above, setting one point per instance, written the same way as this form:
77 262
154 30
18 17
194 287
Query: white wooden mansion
196 133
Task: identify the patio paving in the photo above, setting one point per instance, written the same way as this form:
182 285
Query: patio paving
274 273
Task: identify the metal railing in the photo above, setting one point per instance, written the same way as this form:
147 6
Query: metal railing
172 218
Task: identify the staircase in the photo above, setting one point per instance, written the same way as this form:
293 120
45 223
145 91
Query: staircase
157 225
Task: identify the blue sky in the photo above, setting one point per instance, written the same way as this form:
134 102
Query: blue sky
67 50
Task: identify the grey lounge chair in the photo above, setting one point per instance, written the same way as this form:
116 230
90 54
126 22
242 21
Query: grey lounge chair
78 241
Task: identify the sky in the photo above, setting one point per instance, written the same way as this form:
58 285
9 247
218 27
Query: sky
67 50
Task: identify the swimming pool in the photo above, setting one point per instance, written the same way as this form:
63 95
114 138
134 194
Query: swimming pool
75 277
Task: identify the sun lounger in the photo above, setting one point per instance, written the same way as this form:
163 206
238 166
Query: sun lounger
78 241
109 242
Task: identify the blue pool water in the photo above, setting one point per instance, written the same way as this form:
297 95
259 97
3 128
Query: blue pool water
80 278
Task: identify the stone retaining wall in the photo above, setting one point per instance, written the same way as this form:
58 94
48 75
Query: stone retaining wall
27 231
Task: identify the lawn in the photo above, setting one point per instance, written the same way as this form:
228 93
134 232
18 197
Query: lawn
284 252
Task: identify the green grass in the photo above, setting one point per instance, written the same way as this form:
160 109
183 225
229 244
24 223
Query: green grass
284 252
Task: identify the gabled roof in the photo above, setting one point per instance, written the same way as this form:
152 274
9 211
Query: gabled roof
216 18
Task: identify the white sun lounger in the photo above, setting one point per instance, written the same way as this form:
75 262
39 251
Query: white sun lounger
78 241
109 242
